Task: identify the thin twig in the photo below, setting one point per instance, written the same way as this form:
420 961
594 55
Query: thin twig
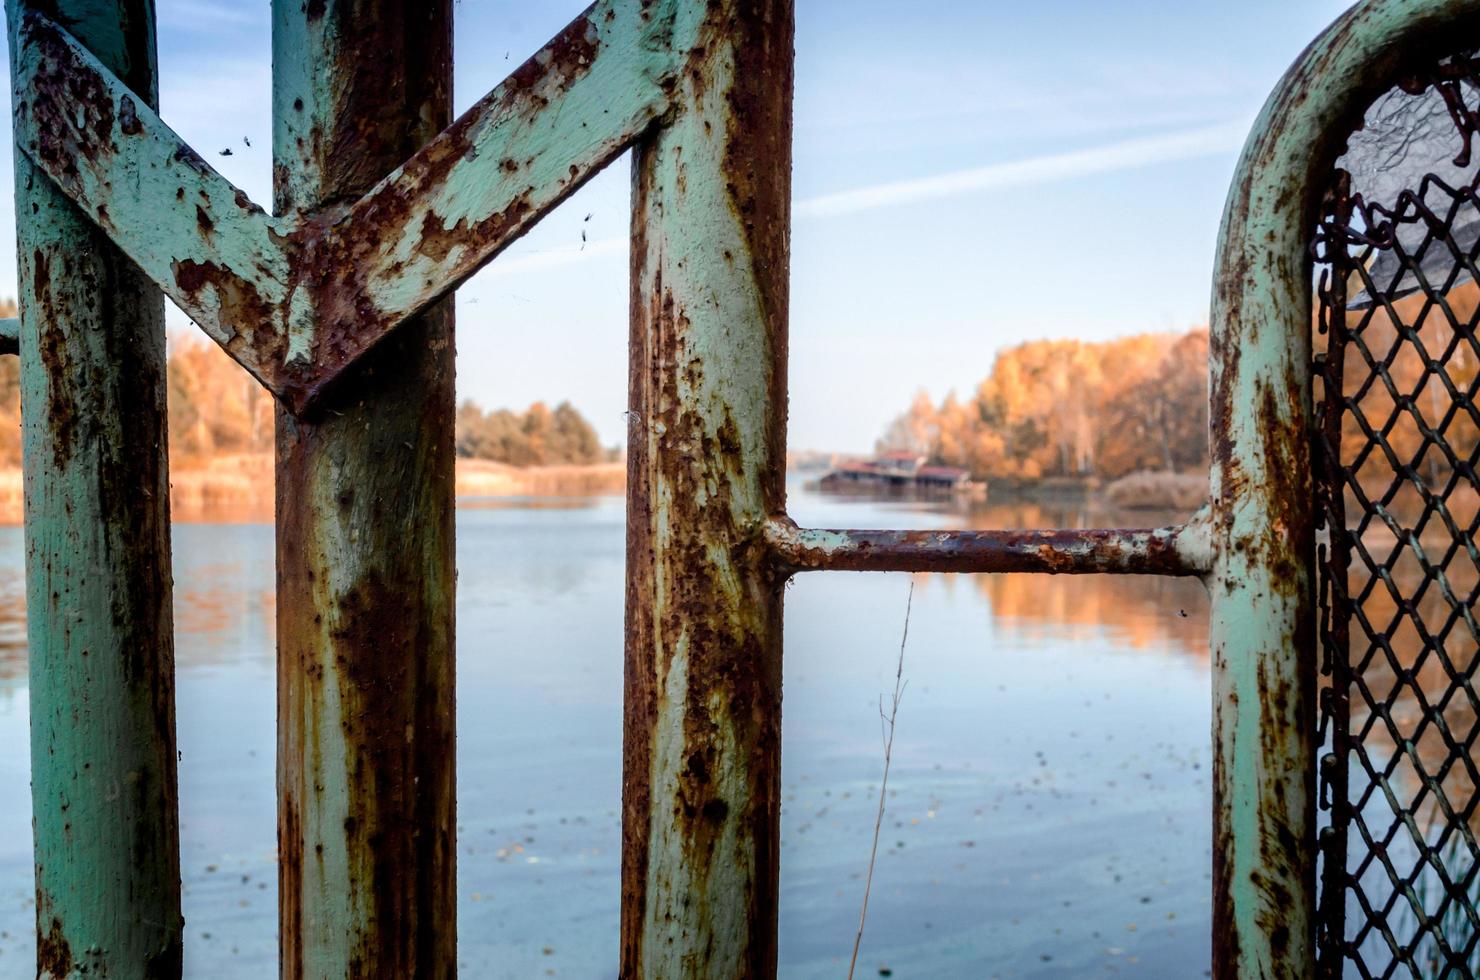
888 726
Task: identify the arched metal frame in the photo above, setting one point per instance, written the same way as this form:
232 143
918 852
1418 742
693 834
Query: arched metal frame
114 211
1263 619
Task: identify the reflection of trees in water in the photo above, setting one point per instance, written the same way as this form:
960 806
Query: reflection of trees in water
1144 612
12 626
216 611
1396 324
1141 612
212 611
1401 436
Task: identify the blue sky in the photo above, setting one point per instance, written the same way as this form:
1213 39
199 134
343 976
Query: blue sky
968 175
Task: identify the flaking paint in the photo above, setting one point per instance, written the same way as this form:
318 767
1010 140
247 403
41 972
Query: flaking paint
364 463
1184 549
702 755
366 777
298 298
99 633
1262 612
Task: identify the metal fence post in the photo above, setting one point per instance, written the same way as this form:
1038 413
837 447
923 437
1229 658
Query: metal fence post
365 534
100 636
702 757
1262 611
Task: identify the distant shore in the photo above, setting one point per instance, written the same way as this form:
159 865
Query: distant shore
239 487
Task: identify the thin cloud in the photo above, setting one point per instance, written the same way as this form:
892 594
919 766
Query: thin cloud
1124 155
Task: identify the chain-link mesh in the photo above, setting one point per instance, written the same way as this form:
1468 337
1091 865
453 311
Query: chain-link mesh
1397 290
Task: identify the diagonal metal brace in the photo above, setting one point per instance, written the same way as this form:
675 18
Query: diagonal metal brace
488 178
297 299
215 253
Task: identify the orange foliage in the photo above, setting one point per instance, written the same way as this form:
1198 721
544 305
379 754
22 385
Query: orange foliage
1067 408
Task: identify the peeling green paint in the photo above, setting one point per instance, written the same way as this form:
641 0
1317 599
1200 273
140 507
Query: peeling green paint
99 632
297 298
218 255
1262 625
366 580
701 797
376 225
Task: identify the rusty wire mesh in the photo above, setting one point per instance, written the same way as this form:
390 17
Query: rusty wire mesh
1397 299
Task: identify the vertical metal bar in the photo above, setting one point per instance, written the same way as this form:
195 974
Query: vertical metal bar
701 792
101 642
365 534
1262 636
1262 625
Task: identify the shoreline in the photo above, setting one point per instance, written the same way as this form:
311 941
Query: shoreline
240 487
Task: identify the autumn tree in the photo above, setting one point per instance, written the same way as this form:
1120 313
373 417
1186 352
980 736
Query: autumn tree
537 437
215 407
1068 408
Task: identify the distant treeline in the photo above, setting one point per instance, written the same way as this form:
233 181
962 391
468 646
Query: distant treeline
1067 408
217 409
539 436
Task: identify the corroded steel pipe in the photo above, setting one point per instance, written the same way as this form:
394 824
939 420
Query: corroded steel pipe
1262 613
702 752
1179 550
365 536
99 632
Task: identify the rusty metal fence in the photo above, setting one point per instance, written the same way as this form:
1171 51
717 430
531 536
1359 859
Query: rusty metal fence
336 303
1400 572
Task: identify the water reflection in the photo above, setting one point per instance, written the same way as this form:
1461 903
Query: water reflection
996 819
12 628
1049 806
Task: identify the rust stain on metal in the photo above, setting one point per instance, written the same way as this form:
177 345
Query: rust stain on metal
364 464
366 576
312 291
53 350
701 794
337 247
53 952
238 301
73 109
1162 551
758 136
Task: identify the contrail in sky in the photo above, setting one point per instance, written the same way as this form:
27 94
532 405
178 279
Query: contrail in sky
1123 155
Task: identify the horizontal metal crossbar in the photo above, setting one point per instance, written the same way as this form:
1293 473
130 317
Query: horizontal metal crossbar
1184 549
296 299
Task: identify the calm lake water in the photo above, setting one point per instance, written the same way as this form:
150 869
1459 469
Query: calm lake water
1048 811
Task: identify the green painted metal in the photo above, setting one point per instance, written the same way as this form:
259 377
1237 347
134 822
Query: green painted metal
296 299
366 788
218 255
1262 613
702 760
525 147
378 219
97 567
